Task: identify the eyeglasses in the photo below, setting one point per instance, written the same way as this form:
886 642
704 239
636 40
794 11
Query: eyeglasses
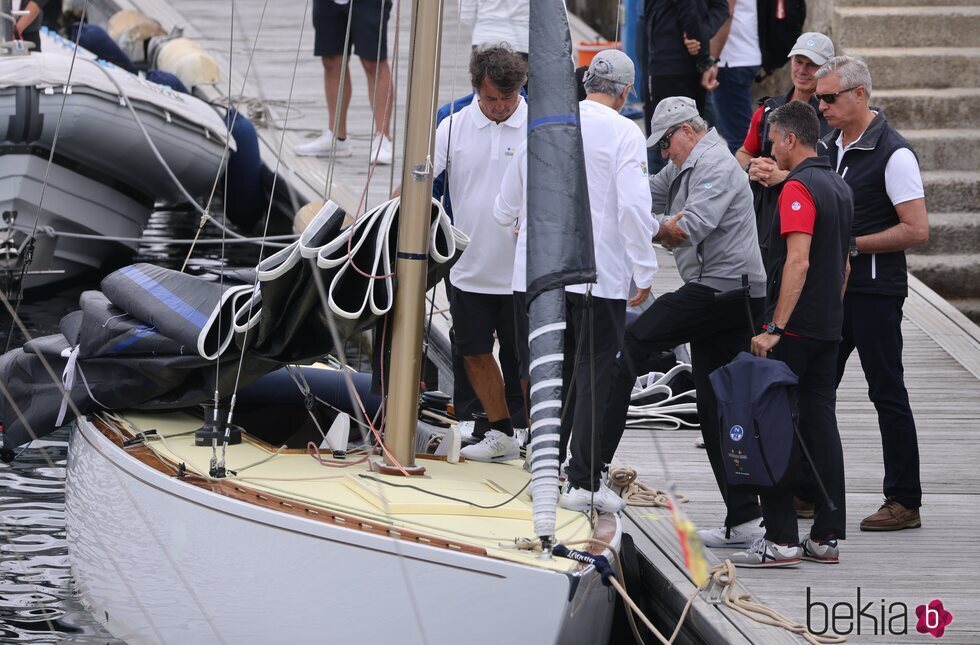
664 142
829 99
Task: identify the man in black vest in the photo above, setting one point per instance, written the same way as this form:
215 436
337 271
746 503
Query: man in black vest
889 217
810 52
807 268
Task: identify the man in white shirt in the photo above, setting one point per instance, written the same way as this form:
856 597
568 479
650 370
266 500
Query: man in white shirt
622 227
889 217
475 146
739 58
498 21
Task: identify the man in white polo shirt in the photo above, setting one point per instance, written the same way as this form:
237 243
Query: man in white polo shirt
475 146
622 231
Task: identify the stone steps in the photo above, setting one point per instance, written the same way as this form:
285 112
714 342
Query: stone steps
919 26
923 67
903 3
945 149
930 108
950 191
951 233
953 275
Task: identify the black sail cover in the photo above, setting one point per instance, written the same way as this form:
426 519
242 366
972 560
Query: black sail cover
155 339
559 239
559 222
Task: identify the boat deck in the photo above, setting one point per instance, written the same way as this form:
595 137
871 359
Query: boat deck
471 507
942 360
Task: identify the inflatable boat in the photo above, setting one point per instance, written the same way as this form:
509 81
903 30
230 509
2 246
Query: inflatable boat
87 151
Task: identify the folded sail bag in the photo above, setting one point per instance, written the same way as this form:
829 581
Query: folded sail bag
758 420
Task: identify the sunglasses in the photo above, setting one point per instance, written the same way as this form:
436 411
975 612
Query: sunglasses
829 99
664 142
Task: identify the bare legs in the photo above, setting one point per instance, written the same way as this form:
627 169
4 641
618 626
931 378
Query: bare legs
488 383
378 73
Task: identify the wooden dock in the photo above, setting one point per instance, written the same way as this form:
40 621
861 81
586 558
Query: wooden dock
942 359
942 364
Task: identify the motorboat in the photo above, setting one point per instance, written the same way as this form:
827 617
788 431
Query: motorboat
88 150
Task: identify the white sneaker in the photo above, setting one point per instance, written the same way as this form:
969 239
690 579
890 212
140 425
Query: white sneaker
381 151
323 146
581 499
764 554
523 435
496 446
740 535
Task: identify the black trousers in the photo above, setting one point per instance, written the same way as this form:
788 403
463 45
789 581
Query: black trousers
593 336
813 362
873 326
717 331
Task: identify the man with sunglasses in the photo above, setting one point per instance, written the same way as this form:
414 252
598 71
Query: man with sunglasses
889 217
810 52
703 207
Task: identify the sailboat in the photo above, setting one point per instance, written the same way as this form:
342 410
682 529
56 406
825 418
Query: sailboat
252 543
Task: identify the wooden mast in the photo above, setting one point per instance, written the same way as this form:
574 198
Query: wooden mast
414 219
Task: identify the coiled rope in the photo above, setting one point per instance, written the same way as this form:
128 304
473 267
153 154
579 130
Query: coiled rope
636 493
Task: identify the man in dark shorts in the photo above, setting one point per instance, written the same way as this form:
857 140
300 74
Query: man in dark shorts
475 146
368 37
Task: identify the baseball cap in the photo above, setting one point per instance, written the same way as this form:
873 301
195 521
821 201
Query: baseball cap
671 111
612 65
814 46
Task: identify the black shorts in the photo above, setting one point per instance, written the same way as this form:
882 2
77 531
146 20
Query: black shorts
476 316
370 20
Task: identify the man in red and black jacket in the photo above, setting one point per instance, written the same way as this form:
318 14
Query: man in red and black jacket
889 217
807 268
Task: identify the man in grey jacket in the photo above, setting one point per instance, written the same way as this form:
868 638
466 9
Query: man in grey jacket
703 206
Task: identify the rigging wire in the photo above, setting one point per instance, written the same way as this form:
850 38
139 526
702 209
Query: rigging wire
44 184
265 230
205 212
339 107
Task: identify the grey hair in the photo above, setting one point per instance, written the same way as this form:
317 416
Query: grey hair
697 124
598 85
853 71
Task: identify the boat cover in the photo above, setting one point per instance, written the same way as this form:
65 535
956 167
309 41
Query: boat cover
155 338
45 70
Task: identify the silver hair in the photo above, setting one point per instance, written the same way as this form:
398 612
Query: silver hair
598 85
852 71
698 124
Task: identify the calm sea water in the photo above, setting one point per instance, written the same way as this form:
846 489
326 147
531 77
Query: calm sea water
38 600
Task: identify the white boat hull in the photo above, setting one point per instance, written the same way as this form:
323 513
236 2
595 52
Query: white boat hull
162 561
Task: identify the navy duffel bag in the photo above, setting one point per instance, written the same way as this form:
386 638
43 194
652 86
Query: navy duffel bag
758 419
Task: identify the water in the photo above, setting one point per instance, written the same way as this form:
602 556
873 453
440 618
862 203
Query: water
38 600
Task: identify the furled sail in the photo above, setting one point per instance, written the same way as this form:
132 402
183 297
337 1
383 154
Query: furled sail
152 337
559 238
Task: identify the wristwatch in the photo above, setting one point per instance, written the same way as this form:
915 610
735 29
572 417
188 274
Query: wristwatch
706 64
853 250
774 329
